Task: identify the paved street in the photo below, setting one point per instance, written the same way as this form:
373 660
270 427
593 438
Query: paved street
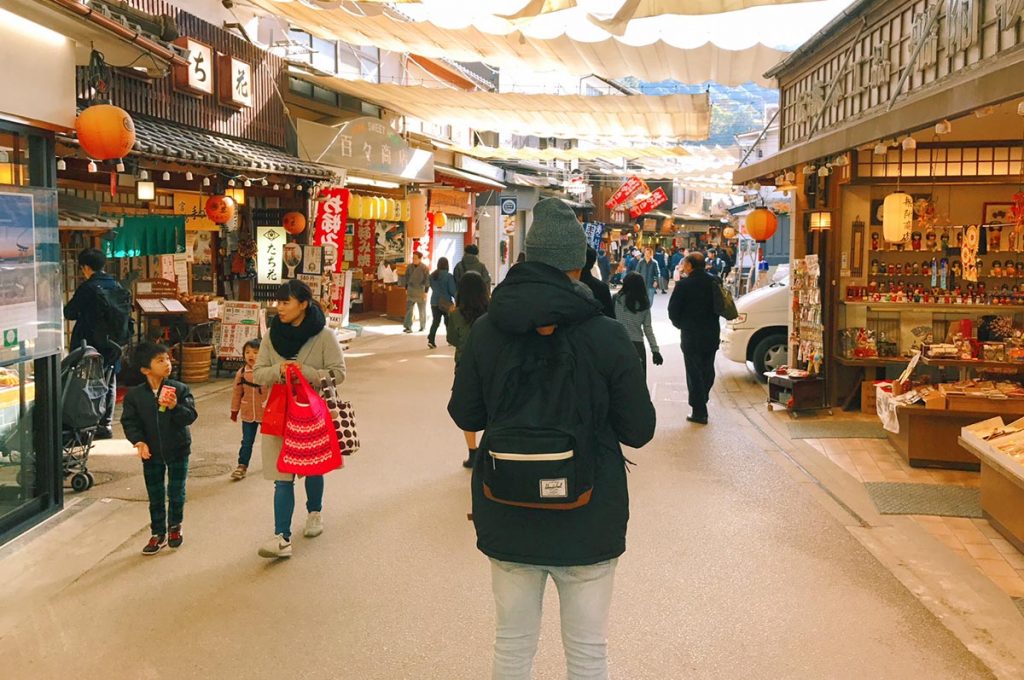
733 570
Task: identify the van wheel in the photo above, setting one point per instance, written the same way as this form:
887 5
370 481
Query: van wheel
769 354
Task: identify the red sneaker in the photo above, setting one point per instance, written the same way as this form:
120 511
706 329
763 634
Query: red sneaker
175 539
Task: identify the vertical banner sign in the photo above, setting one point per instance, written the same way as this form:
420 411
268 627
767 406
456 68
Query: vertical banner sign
648 204
331 216
630 187
366 246
593 233
270 243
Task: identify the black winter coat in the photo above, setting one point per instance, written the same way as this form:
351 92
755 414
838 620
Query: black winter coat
166 433
83 309
692 310
531 296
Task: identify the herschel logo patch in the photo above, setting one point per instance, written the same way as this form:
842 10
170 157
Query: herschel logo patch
554 488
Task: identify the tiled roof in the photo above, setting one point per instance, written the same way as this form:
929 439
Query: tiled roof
180 144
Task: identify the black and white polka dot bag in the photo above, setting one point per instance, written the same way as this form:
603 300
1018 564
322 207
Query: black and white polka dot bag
342 414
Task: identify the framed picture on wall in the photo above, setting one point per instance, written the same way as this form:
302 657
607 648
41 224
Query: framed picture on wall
996 213
857 248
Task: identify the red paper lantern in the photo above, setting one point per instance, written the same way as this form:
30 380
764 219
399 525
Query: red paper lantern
105 132
761 224
294 223
220 209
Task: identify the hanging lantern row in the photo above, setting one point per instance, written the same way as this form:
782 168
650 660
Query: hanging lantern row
379 208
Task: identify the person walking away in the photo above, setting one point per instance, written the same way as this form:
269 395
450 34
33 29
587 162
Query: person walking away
156 418
728 257
714 265
605 265
648 269
600 289
633 311
471 263
470 304
247 400
675 262
102 311
692 310
299 337
416 282
442 299
662 259
575 394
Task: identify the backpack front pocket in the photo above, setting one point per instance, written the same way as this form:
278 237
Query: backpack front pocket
533 469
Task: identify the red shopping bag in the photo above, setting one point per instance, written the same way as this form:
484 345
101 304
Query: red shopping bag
274 411
310 444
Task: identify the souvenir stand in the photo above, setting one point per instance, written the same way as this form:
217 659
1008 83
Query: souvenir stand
1000 448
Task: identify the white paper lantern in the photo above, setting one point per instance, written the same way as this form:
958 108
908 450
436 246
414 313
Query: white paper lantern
897 217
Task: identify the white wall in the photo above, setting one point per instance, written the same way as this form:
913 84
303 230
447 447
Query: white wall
32 87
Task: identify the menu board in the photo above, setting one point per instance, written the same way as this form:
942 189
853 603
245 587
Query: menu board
240 324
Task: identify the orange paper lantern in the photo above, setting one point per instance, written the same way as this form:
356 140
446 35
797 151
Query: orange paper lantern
416 225
440 220
105 132
220 209
761 224
294 223
729 233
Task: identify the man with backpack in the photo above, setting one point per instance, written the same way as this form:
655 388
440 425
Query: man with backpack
471 263
102 311
694 308
556 388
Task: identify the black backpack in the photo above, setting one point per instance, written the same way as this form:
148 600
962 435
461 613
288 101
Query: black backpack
539 444
113 317
84 381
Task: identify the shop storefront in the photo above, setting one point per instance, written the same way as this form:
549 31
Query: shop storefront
901 142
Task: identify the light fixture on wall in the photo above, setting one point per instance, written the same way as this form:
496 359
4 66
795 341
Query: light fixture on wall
231 182
188 176
821 220
143 175
62 164
248 183
145 191
288 187
264 182
1020 109
277 187
909 144
237 194
166 176
823 171
120 166
943 127
881 149
92 167
206 181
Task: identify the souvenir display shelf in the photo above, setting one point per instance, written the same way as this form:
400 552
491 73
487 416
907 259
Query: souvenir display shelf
806 340
1002 474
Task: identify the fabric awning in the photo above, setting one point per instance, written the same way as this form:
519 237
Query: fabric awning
475 182
686 56
148 235
688 158
69 220
684 117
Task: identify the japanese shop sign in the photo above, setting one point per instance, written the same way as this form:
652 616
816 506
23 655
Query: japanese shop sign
197 77
365 144
630 187
331 216
235 79
649 203
241 323
270 243
365 245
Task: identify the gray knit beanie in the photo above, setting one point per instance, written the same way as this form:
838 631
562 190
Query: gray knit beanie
556 237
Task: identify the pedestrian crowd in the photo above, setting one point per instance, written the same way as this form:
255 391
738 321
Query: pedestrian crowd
550 384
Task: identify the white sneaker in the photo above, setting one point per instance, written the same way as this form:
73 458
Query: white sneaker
314 525
276 547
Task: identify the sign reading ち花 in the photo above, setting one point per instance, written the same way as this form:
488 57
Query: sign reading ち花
270 243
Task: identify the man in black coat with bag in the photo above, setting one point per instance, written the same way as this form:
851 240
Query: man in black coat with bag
692 310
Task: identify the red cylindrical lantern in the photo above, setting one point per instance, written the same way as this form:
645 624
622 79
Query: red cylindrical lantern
220 209
761 224
294 223
105 132
416 226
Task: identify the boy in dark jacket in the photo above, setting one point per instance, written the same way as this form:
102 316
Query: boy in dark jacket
578 548
156 417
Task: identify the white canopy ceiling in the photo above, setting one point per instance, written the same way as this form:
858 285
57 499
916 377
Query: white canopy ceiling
650 55
682 117
688 158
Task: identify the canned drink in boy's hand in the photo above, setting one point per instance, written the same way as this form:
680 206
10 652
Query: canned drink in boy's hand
166 392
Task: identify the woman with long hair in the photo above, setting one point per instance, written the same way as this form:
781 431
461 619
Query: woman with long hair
298 336
633 310
442 299
471 303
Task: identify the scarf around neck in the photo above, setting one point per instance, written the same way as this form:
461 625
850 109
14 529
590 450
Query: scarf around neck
288 339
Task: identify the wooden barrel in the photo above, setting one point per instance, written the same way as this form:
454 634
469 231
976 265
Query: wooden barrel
195 362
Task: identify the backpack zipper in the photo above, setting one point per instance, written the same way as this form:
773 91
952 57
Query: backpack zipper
532 456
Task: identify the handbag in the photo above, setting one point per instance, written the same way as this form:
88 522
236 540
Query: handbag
724 304
310 444
274 411
343 416
445 305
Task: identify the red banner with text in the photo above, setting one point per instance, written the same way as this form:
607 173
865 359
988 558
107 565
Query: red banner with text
629 188
331 216
649 203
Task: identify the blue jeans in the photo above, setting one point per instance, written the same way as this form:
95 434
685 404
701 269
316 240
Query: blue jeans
650 294
284 502
249 431
584 596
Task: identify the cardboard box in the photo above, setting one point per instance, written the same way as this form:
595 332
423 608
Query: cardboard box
868 400
934 399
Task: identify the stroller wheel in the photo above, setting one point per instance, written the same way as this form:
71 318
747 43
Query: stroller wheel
92 480
79 482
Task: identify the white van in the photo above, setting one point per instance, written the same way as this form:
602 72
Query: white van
761 331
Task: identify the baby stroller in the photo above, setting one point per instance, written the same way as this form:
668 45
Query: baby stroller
84 401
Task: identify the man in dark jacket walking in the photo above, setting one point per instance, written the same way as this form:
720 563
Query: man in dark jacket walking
471 263
541 302
600 289
84 310
692 310
651 271
662 259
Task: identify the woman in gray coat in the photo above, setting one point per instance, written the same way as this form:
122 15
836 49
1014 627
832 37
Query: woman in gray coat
298 336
